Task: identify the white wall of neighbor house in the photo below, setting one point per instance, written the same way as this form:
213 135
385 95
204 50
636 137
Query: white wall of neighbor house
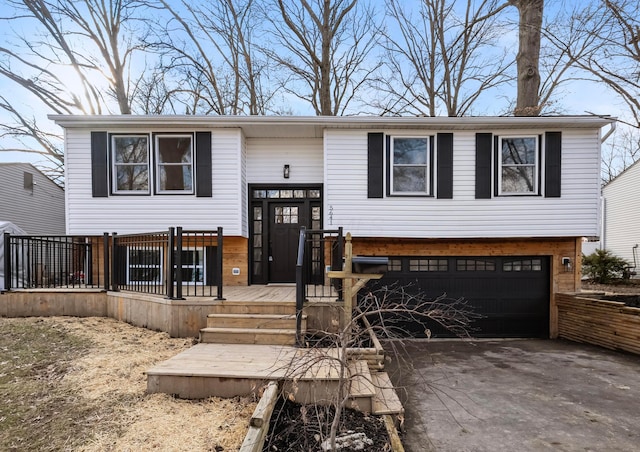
621 231
38 208
574 214
146 213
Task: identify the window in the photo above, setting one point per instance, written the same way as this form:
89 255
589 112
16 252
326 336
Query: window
524 265
428 265
477 265
144 265
174 156
410 160
130 157
518 162
193 266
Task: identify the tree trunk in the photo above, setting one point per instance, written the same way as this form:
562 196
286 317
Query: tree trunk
528 59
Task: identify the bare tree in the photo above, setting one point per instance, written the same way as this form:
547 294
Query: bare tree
384 310
65 57
442 59
620 153
208 48
612 29
528 58
323 48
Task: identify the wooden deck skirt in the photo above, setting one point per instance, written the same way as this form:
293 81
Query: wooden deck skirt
179 318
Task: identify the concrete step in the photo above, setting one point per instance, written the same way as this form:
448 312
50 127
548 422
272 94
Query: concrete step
254 307
385 400
263 336
361 389
259 321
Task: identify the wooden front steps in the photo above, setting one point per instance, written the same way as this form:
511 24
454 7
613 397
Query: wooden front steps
256 322
307 375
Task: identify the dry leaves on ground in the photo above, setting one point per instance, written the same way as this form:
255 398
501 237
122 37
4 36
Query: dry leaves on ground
107 382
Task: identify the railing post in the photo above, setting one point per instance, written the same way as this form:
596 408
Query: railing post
220 239
7 261
114 261
168 277
340 251
105 262
300 285
178 264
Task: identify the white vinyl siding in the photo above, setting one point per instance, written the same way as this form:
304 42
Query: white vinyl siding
574 214
266 159
621 230
129 214
39 210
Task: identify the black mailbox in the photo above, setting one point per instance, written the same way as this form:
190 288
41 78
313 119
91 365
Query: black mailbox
369 264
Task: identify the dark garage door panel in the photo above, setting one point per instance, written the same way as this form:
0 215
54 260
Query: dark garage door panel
511 303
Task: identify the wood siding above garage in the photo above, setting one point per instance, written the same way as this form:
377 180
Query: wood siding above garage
575 213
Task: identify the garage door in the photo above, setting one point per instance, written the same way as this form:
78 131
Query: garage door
510 293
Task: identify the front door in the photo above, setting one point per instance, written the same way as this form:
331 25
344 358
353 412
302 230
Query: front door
275 217
284 230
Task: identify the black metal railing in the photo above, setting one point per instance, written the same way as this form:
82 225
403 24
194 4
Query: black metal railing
175 263
53 262
318 251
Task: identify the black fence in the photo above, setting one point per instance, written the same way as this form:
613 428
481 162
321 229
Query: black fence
174 263
52 261
318 251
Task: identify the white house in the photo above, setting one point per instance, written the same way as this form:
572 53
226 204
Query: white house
490 208
621 225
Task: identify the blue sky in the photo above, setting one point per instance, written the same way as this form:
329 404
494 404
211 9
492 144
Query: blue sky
578 97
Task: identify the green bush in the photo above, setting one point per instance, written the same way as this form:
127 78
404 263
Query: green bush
603 267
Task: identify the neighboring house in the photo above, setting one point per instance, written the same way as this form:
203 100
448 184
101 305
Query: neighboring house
31 200
621 225
490 208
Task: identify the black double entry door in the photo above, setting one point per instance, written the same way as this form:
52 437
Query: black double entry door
278 213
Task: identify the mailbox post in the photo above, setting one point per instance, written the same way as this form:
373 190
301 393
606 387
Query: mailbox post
357 271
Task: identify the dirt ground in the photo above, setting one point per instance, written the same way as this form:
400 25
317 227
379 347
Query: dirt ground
78 384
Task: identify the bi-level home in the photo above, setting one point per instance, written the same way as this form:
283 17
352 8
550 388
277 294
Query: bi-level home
492 209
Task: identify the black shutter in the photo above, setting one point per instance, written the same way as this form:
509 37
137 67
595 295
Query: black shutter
483 165
211 274
552 164
99 165
375 165
203 164
445 165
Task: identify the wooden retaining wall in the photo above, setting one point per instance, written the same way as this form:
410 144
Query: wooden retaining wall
179 318
608 324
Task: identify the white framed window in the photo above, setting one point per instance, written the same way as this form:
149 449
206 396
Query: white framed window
519 166
174 163
144 265
410 165
130 164
193 266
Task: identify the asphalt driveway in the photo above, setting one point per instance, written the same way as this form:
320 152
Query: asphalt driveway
519 395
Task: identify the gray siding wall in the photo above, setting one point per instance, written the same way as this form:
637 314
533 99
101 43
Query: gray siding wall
37 211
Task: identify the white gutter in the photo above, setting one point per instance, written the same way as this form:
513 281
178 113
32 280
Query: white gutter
612 128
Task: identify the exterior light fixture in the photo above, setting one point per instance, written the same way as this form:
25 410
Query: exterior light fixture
285 172
566 263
